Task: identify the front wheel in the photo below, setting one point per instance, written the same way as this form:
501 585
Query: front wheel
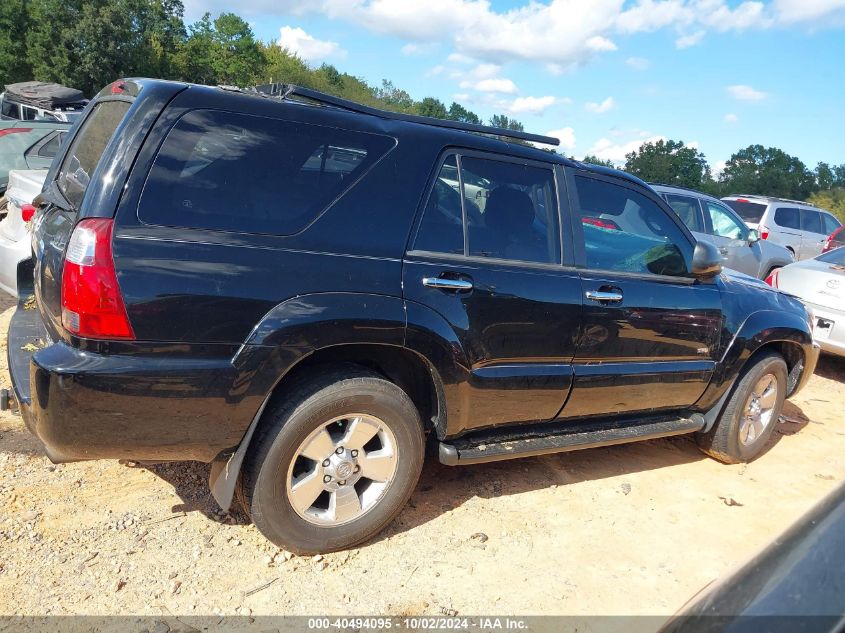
750 414
334 463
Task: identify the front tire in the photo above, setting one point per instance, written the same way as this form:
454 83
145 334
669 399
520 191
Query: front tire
751 413
334 462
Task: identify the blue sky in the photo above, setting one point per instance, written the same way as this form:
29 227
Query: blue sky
603 75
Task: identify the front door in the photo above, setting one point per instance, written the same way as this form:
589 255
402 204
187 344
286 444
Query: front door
488 263
649 330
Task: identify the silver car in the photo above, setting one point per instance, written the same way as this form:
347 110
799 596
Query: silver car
820 284
710 220
797 226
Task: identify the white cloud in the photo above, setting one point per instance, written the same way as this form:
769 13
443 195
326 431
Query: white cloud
731 118
685 41
530 105
746 93
599 108
306 46
412 49
608 150
809 11
566 136
494 84
717 168
638 63
458 58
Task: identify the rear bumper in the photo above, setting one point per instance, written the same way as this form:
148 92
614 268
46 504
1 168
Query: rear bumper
85 405
833 341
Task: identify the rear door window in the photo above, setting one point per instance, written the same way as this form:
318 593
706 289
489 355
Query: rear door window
687 209
247 174
788 218
811 221
87 148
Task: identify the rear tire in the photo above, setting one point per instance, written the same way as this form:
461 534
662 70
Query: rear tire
751 412
333 463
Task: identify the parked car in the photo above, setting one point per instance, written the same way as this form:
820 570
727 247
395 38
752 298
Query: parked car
800 227
208 291
795 584
29 146
17 211
711 220
820 284
39 101
834 240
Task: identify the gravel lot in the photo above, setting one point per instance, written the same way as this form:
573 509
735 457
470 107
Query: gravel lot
634 529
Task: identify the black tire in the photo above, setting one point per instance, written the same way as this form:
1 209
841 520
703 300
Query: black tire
284 428
723 442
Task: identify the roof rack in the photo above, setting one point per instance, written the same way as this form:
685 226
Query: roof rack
757 195
664 184
284 91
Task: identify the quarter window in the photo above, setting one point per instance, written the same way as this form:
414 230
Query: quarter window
247 174
811 221
626 231
788 218
724 224
830 223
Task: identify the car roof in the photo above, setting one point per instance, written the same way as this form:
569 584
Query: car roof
681 190
772 200
235 98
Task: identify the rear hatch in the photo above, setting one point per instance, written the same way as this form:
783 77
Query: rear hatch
751 211
61 203
24 185
821 283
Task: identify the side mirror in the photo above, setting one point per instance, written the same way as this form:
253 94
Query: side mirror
753 236
706 261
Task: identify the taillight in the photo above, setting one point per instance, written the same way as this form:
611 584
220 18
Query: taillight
92 306
764 232
772 279
27 212
15 130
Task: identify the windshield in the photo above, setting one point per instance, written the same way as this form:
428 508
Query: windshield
836 257
87 148
748 211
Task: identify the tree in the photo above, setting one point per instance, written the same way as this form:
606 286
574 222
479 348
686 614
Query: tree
668 162
595 160
832 199
457 112
768 171
505 123
393 97
236 56
14 20
195 58
432 107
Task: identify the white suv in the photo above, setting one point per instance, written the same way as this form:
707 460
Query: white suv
800 227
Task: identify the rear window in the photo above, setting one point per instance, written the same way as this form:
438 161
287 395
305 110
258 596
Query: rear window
87 148
788 218
748 211
235 172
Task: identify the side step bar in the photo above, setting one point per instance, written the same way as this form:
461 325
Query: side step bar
576 438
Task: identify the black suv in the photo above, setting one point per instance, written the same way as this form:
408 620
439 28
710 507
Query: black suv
302 290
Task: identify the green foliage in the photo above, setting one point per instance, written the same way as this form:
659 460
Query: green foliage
432 107
457 112
768 171
668 162
833 200
595 160
502 121
14 20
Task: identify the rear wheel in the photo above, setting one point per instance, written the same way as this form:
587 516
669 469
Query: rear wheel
750 414
334 463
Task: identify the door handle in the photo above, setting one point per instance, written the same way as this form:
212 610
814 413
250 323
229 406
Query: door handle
442 283
601 295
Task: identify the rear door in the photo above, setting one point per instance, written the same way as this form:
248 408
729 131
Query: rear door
730 235
649 330
487 258
813 234
785 228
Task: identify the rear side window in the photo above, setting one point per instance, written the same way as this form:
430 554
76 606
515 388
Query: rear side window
10 109
788 218
234 172
687 209
626 231
87 148
748 211
811 221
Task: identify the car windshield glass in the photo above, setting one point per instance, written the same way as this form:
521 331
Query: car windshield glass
88 145
836 257
748 211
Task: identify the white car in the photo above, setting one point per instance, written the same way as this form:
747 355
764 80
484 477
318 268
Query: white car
15 246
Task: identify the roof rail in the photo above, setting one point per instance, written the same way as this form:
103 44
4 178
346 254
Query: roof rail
283 91
757 195
664 184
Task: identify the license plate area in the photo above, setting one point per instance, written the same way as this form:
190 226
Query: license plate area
823 328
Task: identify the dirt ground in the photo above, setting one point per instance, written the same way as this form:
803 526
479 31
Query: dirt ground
634 529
